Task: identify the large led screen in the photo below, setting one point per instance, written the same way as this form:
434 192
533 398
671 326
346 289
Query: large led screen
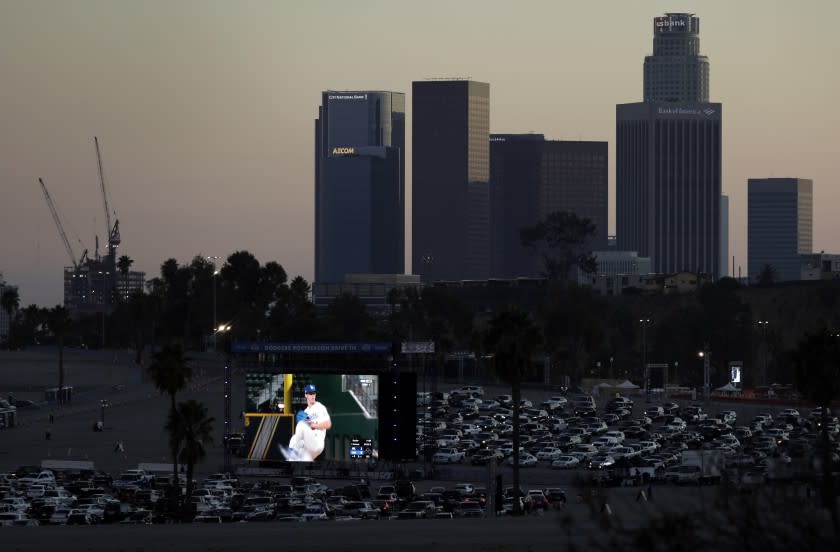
339 421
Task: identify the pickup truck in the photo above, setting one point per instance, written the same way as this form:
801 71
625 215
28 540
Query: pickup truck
448 456
45 477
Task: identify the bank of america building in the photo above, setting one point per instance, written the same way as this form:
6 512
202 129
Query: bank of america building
359 184
668 158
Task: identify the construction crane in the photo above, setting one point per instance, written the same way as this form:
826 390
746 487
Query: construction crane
57 219
112 233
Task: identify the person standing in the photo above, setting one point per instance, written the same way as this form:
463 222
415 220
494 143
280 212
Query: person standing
311 425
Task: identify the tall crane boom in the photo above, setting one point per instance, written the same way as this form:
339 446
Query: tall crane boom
58 224
108 230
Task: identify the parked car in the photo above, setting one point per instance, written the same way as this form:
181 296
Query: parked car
549 453
565 462
537 499
485 456
363 509
448 456
526 460
418 509
601 461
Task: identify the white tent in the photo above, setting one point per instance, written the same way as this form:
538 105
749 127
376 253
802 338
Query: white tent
627 384
729 388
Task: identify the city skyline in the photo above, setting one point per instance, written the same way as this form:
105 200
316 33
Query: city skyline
205 110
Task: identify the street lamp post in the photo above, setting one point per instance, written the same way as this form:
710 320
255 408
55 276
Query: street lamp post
213 260
103 404
706 355
225 328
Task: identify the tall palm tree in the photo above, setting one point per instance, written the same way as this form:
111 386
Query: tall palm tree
170 372
10 302
513 338
59 323
817 368
124 264
190 429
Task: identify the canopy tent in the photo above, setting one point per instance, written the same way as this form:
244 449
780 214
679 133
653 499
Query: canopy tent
729 388
627 384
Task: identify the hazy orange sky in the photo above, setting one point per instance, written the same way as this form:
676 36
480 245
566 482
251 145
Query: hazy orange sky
205 109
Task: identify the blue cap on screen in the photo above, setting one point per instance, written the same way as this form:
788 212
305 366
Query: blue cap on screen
309 389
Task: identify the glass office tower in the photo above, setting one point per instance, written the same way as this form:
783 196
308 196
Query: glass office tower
359 184
531 177
668 184
780 226
668 157
676 72
450 180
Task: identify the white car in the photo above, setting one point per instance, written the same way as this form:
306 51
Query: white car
464 489
549 453
649 446
623 452
565 462
586 449
526 460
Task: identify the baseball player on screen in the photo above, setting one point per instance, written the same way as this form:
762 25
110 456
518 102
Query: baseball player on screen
311 427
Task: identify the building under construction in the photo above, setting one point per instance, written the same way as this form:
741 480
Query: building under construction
96 285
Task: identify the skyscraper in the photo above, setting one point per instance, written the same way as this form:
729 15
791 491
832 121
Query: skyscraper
359 184
450 176
676 72
724 238
668 166
531 177
780 223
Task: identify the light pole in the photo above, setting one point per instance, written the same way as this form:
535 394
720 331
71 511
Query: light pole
763 325
645 322
226 328
706 355
213 260
103 404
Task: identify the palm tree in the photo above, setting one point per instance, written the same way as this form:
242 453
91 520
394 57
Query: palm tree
10 302
170 373
817 368
513 338
190 429
124 264
59 323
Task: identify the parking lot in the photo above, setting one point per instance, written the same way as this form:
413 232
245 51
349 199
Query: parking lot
137 413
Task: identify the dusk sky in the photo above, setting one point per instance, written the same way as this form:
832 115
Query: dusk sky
204 109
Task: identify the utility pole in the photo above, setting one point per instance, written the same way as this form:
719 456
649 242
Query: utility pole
706 354
763 325
226 328
213 260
